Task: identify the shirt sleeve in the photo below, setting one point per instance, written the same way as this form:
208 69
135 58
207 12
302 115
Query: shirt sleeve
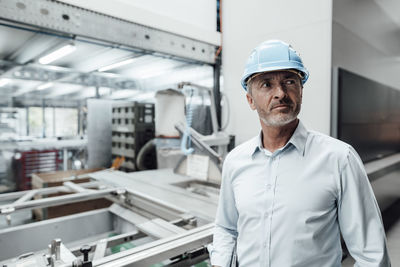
359 216
225 231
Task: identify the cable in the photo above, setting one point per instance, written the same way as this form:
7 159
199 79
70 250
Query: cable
141 156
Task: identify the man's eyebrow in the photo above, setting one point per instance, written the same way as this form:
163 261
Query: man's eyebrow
263 78
290 75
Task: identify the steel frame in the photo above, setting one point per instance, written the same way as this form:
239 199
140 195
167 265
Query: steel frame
159 250
75 21
23 198
172 241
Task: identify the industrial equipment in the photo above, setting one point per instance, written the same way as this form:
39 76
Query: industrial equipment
36 156
218 140
148 222
132 126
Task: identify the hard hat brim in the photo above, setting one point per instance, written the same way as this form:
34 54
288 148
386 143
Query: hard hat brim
274 66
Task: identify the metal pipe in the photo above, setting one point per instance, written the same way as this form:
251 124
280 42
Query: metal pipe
75 187
201 144
59 200
45 191
29 195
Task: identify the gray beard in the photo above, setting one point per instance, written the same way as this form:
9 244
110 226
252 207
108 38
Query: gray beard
281 121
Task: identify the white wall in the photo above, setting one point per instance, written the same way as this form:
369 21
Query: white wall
195 19
307 25
359 47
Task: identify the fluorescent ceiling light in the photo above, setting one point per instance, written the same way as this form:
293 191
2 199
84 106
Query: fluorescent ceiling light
4 82
116 65
57 54
124 93
44 86
65 89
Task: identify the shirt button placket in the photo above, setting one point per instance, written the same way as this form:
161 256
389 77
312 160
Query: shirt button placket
270 191
265 258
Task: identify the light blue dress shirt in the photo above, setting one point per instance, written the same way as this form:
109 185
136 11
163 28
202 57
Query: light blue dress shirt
289 207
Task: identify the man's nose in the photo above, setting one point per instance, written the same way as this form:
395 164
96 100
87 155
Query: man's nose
279 92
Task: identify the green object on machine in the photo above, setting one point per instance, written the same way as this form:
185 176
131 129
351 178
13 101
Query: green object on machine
202 264
122 247
129 245
126 246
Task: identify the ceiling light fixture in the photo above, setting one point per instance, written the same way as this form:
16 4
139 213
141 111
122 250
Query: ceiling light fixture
4 82
124 93
44 86
116 65
57 54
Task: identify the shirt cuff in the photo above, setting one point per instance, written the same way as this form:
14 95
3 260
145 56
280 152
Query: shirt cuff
217 258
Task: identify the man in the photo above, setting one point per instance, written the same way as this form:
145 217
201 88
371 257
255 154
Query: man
288 193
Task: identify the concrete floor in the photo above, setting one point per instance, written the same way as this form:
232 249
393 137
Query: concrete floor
387 192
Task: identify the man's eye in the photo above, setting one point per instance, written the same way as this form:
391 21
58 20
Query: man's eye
288 82
265 84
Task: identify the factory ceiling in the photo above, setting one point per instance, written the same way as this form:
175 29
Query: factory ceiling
93 69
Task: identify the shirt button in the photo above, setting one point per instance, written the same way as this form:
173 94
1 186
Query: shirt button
266 215
265 244
269 187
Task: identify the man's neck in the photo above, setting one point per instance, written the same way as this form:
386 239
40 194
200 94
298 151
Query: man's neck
277 137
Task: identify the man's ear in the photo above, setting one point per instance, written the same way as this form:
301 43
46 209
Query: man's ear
301 93
250 100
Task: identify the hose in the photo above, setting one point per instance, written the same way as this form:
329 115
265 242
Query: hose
147 148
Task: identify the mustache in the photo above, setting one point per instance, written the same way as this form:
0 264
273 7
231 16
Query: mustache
282 102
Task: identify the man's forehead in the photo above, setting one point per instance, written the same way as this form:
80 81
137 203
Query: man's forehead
274 74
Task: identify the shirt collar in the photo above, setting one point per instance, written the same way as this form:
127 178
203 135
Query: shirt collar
298 140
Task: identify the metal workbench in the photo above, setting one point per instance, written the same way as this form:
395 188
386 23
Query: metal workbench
166 186
165 218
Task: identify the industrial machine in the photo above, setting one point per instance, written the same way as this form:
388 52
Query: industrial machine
213 146
150 221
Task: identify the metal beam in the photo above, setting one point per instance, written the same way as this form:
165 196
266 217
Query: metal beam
26 197
55 74
160 250
64 18
56 201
